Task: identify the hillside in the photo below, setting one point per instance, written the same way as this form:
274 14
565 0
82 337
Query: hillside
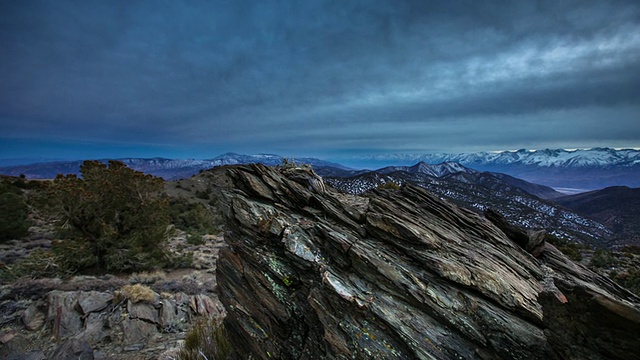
479 191
616 207
403 274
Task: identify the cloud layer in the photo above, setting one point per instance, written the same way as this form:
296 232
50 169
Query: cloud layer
321 77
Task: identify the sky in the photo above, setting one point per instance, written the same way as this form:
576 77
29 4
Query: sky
330 79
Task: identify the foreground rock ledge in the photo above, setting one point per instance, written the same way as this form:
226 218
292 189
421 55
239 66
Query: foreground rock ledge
402 274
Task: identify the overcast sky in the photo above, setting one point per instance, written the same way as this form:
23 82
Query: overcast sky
110 78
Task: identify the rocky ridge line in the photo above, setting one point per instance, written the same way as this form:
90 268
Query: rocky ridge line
403 274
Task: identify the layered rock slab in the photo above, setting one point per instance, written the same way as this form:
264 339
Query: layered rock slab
398 274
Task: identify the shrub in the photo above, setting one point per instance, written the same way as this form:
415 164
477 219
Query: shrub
192 217
602 259
567 247
14 213
203 194
629 279
39 264
389 185
147 277
632 249
137 293
206 340
113 218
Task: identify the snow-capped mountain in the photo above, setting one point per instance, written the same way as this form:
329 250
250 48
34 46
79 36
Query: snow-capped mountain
601 157
436 170
581 169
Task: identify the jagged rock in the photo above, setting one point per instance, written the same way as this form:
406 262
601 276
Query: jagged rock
12 345
137 331
73 349
143 311
94 329
169 316
92 301
302 174
65 321
402 274
530 240
204 305
33 317
31 355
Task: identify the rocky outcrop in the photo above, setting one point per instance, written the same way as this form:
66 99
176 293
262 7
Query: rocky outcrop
403 274
107 325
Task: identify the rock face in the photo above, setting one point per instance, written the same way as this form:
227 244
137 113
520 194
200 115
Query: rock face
405 275
84 324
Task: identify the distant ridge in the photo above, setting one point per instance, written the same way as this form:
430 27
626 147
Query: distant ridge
169 169
595 157
579 169
617 207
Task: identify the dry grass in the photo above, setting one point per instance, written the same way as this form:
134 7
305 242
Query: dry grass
147 277
206 340
137 293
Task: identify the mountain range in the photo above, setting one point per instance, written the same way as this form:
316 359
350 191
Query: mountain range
569 171
580 169
169 169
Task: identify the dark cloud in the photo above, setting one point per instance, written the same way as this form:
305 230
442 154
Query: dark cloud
320 76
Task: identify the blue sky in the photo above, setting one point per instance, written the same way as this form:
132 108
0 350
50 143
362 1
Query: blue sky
87 79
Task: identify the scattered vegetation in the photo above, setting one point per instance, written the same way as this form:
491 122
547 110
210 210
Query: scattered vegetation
194 218
567 247
39 264
206 340
621 266
629 279
147 277
603 259
203 194
389 185
631 249
14 212
113 218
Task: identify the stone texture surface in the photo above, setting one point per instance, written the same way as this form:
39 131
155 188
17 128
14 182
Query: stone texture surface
73 349
62 315
33 316
92 301
88 324
402 274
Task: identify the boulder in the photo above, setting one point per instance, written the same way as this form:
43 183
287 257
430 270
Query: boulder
73 349
310 273
92 301
205 305
143 311
137 331
12 345
33 317
62 316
